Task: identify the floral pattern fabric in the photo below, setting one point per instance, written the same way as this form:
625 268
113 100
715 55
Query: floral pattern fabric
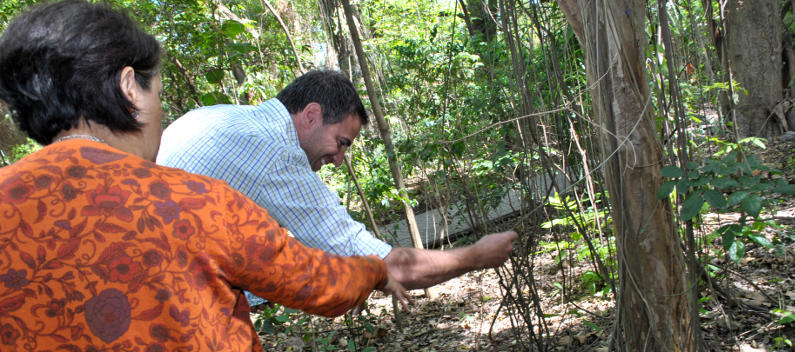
103 251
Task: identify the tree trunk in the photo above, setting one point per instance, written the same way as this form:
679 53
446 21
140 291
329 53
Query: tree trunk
482 26
365 204
653 309
383 128
287 34
10 136
339 50
754 48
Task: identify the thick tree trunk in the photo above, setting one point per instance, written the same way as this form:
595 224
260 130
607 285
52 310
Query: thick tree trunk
754 48
653 308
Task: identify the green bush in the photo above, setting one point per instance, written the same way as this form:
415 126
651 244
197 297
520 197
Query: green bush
733 181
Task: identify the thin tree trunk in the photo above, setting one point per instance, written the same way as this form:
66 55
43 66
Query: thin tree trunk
287 33
374 226
683 156
698 37
194 94
365 204
653 310
383 128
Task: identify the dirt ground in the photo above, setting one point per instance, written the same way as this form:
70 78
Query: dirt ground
467 313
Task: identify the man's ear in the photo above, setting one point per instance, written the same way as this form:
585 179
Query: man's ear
128 84
313 114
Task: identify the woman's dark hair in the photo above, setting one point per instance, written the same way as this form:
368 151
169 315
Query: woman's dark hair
331 89
62 62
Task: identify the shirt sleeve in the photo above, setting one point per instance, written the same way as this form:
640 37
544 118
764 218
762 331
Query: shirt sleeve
299 200
271 264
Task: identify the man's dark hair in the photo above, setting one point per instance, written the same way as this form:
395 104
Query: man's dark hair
62 62
331 89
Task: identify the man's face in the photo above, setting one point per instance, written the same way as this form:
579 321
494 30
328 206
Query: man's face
324 144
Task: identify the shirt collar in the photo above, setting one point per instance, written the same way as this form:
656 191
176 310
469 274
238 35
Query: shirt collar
273 115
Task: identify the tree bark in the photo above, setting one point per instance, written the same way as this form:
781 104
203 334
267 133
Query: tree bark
339 56
10 135
754 47
653 308
286 33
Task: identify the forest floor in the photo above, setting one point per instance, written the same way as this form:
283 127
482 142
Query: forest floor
468 314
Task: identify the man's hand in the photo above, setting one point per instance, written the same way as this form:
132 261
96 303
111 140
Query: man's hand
493 250
420 268
393 287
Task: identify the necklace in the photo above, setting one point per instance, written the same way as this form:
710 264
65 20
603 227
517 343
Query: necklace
79 136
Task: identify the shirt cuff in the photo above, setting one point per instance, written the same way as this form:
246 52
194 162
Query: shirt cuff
366 244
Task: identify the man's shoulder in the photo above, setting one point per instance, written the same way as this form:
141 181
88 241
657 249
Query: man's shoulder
215 112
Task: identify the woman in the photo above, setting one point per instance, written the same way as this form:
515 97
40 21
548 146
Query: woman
101 249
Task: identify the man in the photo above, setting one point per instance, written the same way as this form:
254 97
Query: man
269 153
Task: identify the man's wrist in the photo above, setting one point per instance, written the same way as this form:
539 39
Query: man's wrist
470 258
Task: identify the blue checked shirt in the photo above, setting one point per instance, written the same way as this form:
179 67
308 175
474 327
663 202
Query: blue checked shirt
255 149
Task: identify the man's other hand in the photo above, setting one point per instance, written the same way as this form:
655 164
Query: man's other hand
494 249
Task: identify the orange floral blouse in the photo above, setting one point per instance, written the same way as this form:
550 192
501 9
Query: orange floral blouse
101 250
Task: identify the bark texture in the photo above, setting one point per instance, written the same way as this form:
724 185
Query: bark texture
653 305
754 49
10 135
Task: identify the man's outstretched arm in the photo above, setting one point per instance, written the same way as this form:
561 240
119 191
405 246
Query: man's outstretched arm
420 268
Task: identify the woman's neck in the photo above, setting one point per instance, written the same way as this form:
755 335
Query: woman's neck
130 142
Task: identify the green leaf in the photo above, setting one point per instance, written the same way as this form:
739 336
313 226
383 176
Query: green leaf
761 225
691 165
715 199
761 187
786 316
759 142
238 49
749 181
208 99
760 240
232 28
214 76
724 182
683 186
282 318
736 251
458 148
727 234
223 99
785 189
666 189
712 166
691 207
671 172
266 326
736 197
700 181
752 205
592 325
